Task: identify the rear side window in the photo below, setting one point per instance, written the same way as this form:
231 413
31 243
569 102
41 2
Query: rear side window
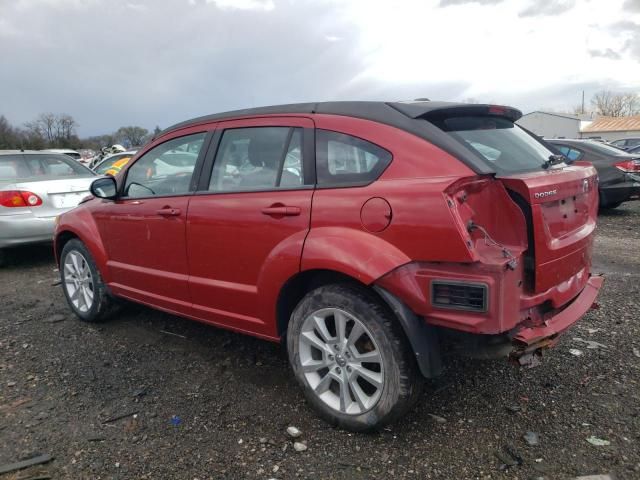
504 145
258 158
343 160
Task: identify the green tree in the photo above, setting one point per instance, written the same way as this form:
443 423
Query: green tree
131 136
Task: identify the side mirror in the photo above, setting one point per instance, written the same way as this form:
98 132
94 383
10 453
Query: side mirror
104 188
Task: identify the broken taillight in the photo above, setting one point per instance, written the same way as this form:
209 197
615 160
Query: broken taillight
19 198
630 166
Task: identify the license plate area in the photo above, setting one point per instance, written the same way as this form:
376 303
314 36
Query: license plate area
67 200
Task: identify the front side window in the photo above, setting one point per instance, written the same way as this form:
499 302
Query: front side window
165 169
343 159
258 158
503 145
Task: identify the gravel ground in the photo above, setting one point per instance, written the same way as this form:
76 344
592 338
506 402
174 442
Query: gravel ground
149 395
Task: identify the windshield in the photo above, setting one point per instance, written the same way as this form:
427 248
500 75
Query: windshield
501 143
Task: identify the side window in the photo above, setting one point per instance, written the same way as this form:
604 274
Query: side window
573 154
570 153
342 159
165 169
258 158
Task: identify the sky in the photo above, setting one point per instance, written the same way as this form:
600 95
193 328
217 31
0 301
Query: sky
111 63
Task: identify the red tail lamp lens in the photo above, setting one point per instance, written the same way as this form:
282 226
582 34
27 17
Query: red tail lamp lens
19 198
629 166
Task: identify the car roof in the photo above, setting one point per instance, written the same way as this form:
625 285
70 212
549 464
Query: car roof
28 152
405 116
384 112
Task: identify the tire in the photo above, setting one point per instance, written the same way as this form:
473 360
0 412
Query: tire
82 283
336 381
3 258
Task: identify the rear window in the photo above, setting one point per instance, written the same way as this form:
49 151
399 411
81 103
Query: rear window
605 149
36 166
343 160
501 143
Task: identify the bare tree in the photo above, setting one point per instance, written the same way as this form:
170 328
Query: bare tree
612 104
67 126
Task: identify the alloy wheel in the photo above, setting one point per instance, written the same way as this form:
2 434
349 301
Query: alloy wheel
78 281
341 361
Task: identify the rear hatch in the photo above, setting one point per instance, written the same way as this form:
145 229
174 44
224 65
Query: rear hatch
58 195
559 201
561 208
49 183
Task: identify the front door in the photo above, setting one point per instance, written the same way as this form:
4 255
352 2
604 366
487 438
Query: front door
248 221
144 229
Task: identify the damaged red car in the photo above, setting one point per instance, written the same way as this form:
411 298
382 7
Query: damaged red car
369 238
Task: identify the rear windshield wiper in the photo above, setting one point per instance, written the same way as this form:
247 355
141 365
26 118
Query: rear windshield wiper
553 160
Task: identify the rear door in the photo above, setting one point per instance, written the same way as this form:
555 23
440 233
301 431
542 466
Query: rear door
248 221
144 229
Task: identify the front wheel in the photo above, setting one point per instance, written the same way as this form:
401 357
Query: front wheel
351 358
82 284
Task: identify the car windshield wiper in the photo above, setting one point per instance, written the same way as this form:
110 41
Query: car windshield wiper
553 160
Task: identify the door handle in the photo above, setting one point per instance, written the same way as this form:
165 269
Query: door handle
168 212
281 211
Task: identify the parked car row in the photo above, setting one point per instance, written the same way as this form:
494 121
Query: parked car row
618 171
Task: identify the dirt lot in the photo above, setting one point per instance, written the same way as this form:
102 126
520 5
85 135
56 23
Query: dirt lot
213 404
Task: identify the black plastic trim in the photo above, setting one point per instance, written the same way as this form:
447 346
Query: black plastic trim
423 337
444 281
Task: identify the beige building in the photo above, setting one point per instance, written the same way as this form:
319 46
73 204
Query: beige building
612 128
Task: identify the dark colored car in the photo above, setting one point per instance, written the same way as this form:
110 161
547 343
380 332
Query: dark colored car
366 236
634 150
626 143
618 171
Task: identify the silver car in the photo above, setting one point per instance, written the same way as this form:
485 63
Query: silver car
35 187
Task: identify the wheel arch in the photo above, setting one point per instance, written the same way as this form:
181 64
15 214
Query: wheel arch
423 338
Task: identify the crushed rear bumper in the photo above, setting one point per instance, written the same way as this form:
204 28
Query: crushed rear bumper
529 341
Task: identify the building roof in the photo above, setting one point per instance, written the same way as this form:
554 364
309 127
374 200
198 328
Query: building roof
562 115
614 124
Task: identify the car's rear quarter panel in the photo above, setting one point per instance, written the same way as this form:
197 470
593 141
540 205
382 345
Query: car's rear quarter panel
421 226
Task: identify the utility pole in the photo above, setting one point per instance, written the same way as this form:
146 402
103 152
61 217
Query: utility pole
583 102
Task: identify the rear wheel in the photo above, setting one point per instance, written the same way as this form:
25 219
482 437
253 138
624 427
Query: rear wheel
351 358
82 284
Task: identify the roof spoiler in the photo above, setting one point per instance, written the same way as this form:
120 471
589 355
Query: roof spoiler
430 110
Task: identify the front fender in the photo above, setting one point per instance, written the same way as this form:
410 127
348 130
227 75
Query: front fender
80 223
356 253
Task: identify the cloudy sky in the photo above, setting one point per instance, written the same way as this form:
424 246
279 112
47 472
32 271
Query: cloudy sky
110 63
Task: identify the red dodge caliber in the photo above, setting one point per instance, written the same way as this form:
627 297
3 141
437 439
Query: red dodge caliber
368 237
